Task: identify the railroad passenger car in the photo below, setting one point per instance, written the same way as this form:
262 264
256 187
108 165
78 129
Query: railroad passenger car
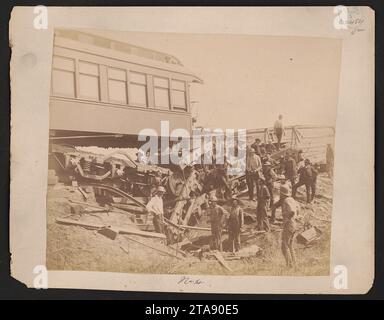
103 87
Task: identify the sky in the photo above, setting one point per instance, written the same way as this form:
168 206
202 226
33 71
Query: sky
250 80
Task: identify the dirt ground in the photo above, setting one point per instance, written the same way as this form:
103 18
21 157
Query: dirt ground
77 248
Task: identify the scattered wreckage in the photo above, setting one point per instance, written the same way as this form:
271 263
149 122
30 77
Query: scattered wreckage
121 184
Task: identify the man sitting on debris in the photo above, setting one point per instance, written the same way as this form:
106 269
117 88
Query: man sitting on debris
289 208
235 223
218 217
263 199
155 207
307 177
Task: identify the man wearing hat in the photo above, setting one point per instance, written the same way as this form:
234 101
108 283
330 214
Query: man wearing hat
256 146
279 202
270 178
235 223
279 130
218 217
155 207
289 208
253 168
263 199
290 169
307 177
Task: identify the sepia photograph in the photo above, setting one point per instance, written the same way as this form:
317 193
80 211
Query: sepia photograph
179 206
175 149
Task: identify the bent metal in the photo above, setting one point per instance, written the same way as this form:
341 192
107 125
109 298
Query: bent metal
206 146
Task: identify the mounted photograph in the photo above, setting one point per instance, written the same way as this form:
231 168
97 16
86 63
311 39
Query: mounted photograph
152 155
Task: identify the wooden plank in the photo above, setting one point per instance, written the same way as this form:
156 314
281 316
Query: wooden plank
190 210
107 209
180 244
82 192
195 228
222 261
81 224
154 248
181 227
142 233
130 208
196 203
178 251
87 204
121 230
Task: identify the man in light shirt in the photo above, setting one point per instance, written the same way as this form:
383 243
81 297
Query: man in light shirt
253 168
289 208
279 130
155 207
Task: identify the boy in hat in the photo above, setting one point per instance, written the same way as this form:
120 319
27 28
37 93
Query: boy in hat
218 216
235 223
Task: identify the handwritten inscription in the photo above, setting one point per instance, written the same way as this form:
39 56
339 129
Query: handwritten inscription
189 281
348 18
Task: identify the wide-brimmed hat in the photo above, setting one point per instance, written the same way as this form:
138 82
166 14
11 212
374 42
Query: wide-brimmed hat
235 198
160 189
212 198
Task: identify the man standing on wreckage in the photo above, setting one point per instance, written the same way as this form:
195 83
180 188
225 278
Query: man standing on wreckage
289 208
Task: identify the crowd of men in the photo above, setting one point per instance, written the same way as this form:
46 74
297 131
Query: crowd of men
263 176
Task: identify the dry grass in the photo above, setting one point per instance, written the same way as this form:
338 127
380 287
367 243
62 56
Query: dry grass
76 248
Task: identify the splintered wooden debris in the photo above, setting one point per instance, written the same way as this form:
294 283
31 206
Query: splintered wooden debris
121 230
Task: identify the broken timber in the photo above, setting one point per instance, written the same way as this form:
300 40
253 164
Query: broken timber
120 230
102 209
220 258
181 227
154 248
85 196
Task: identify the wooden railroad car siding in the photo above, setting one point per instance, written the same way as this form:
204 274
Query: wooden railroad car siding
106 86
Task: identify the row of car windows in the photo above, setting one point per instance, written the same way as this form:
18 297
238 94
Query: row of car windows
118 86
